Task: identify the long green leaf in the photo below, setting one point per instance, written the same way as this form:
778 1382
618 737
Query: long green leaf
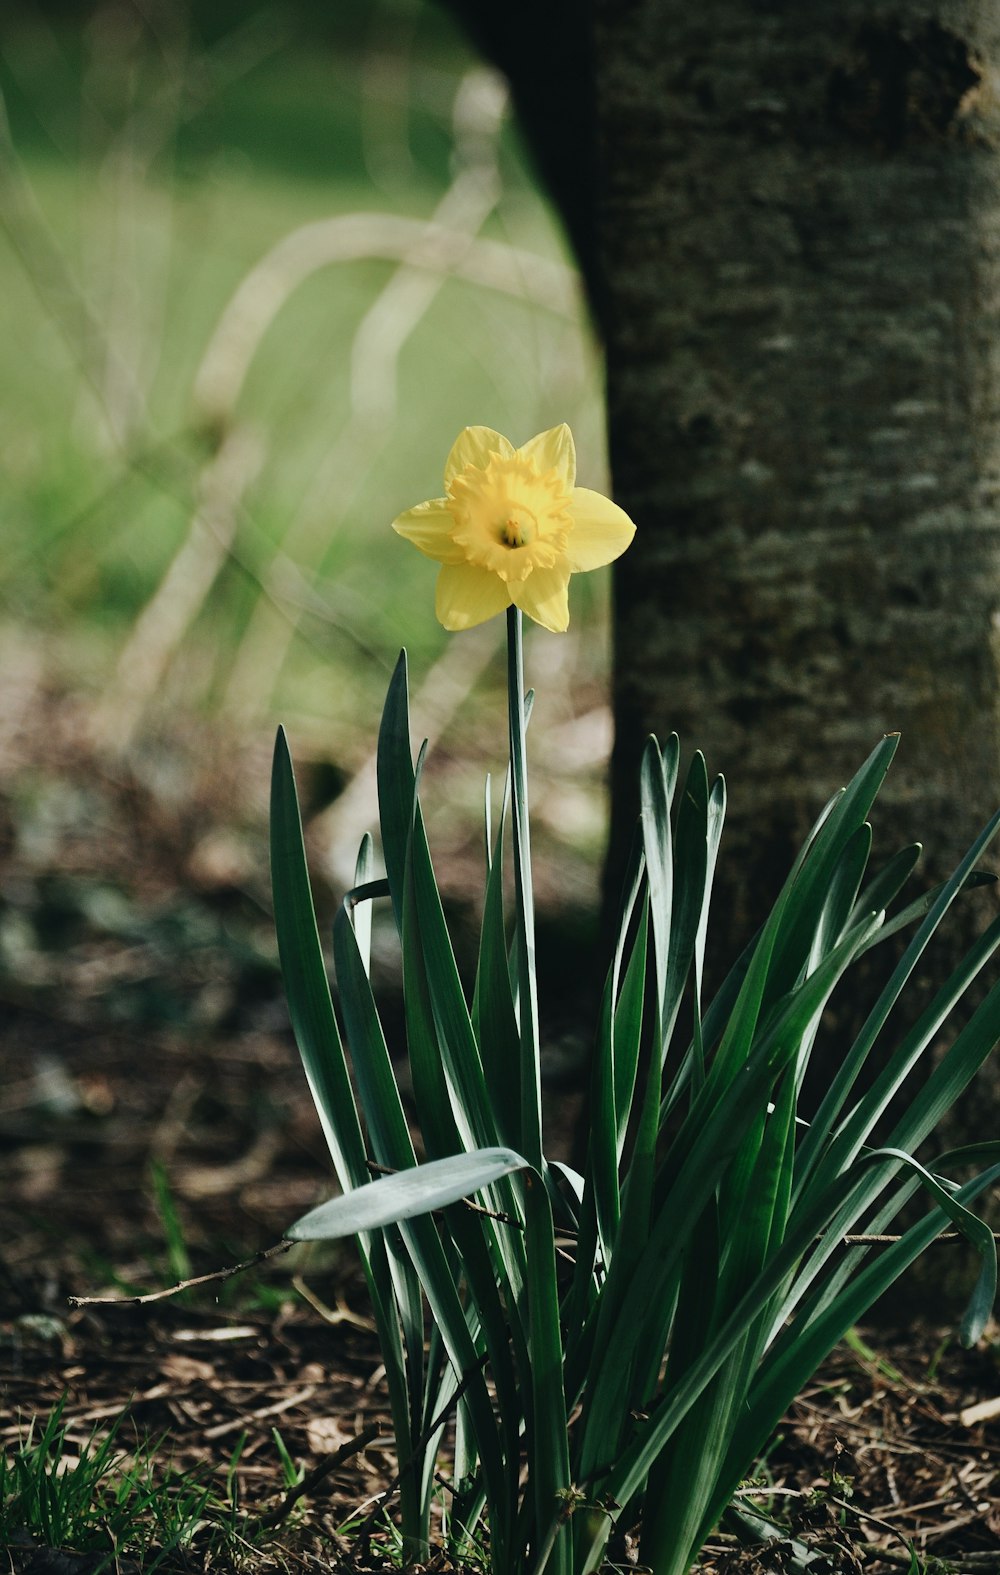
445 1125
846 1075
797 1357
318 1038
656 785
395 783
811 880
718 1125
494 1016
504 1270
838 900
548 1444
855 1128
306 983
406 1195
456 1038
714 820
798 1363
886 884
694 850
359 898
947 1081
387 1125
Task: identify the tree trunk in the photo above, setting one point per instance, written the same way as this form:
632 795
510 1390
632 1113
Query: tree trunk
799 211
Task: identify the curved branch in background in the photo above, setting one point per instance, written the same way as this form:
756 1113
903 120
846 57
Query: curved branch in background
180 595
363 237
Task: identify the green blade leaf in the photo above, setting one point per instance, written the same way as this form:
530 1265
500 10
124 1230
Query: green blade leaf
925 902
886 884
407 1194
633 1303
838 900
657 780
548 1445
318 1039
856 1126
846 1075
800 1352
812 876
395 783
306 983
387 1126
695 845
524 899
795 1359
494 1017
459 1052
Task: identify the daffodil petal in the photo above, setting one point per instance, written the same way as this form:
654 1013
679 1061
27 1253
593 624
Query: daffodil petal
544 597
467 595
429 527
553 450
475 446
601 531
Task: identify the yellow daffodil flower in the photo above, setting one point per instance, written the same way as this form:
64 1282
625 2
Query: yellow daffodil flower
513 528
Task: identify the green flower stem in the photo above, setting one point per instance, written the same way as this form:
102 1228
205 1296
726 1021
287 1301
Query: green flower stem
531 1095
547 1435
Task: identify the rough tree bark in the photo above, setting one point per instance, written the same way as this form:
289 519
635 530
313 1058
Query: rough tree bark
799 213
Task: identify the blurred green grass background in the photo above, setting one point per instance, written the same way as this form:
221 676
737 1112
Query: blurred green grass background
228 552
207 424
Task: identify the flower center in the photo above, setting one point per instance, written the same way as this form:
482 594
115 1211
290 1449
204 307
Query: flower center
519 529
510 517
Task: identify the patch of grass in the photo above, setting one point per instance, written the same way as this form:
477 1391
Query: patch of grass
291 1473
95 1497
103 1500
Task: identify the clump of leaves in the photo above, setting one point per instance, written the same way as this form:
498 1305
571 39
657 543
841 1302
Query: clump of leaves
94 1497
617 1346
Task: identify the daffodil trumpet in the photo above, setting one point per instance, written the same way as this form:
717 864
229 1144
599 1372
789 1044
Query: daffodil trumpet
512 528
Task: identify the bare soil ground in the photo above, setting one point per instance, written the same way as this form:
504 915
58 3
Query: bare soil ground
154 1124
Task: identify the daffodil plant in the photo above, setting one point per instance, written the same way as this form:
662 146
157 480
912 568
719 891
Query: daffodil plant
583 1354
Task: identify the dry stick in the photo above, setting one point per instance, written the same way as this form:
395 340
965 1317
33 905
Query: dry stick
959 1563
873 1554
182 1285
887 1241
477 1208
329 1463
872 1550
862 1514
